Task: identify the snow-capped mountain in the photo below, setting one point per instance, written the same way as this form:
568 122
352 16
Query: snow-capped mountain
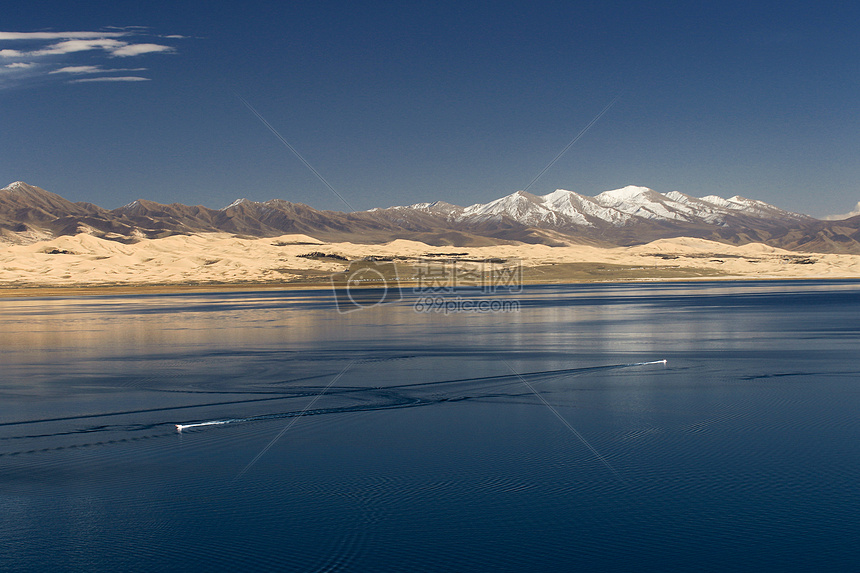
627 216
618 207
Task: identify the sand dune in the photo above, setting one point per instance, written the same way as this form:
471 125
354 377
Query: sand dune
85 260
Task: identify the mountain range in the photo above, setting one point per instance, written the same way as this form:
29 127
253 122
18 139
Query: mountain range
628 216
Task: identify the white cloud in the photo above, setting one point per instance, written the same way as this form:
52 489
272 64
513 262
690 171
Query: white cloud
77 70
853 213
58 35
111 79
135 29
72 46
75 53
113 47
93 70
138 49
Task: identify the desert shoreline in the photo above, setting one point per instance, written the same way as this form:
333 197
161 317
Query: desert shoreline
81 291
85 265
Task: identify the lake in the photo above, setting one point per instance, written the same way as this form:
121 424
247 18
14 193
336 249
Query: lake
545 434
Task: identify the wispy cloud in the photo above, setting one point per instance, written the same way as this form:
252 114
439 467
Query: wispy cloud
35 57
72 46
110 79
58 35
78 70
93 70
138 49
853 213
109 45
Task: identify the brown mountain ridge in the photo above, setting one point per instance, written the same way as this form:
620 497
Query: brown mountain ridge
29 213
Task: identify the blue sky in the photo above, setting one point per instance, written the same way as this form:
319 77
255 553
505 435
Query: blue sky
417 101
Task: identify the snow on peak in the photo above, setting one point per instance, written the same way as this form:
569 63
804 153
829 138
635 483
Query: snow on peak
678 196
716 200
620 207
521 206
236 203
14 186
558 195
621 195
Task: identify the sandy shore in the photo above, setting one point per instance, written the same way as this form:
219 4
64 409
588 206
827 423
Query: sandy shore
222 261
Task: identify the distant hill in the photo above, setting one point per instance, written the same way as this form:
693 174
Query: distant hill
628 216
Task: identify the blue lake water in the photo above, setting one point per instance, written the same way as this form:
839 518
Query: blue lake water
391 440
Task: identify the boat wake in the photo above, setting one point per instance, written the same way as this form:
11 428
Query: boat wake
404 401
180 427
